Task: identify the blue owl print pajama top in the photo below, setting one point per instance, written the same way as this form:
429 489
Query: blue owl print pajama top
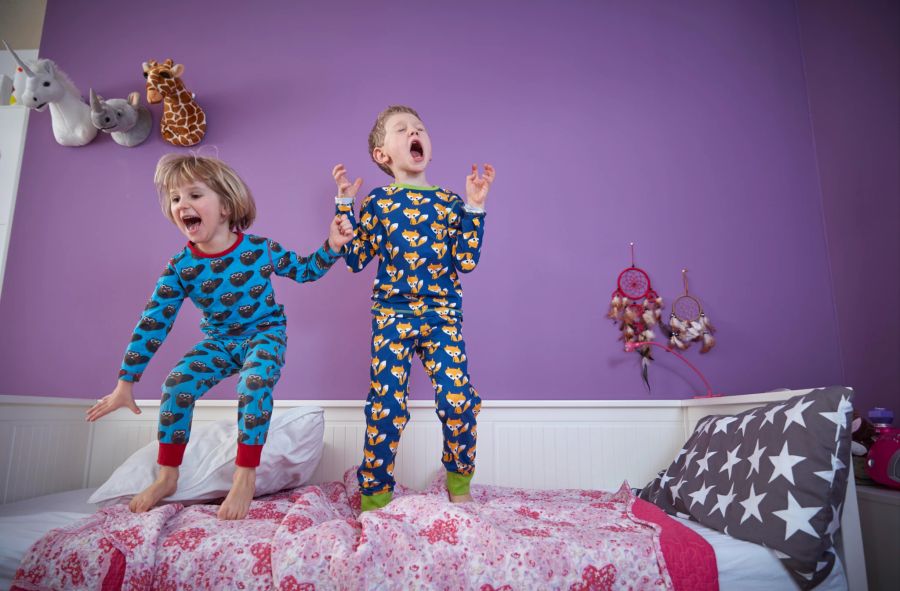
245 333
423 238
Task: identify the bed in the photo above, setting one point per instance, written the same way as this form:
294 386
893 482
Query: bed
25 522
612 428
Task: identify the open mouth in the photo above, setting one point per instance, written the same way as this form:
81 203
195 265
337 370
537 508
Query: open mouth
191 222
416 151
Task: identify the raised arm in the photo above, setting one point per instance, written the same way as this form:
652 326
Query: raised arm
359 251
467 248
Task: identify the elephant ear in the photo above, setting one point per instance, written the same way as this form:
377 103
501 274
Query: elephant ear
134 99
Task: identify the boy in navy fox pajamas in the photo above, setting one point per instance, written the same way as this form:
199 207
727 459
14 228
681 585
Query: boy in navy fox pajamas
227 274
423 236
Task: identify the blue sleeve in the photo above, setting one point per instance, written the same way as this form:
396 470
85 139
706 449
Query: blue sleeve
302 268
360 251
466 249
155 323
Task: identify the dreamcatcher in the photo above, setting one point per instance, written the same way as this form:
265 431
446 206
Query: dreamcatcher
637 309
688 323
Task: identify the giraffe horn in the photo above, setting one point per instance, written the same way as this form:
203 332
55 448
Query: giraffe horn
22 65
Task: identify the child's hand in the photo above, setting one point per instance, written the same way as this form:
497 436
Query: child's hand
121 396
477 187
340 233
345 187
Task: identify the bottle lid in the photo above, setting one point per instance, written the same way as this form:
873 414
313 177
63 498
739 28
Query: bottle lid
880 415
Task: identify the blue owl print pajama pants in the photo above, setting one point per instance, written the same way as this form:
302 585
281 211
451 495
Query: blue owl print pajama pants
257 359
439 344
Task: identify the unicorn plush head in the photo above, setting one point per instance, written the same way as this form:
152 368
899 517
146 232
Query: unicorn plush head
37 87
44 84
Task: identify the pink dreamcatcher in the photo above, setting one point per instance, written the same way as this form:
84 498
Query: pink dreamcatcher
636 308
688 323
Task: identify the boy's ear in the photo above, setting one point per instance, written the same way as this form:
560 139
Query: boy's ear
380 156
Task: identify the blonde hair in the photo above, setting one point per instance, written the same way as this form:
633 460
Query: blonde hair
175 170
378 133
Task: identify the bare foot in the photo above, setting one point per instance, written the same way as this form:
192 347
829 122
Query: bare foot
237 503
466 498
165 484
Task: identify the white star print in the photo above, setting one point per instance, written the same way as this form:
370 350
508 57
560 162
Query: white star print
770 414
828 475
835 524
704 463
706 425
783 464
754 459
732 460
722 425
751 505
700 495
688 459
675 488
795 414
796 518
839 417
723 502
664 479
746 421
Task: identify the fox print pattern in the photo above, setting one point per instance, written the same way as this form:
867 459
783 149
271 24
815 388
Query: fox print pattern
457 402
421 237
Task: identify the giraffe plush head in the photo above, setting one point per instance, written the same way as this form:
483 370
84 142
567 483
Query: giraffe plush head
162 79
183 122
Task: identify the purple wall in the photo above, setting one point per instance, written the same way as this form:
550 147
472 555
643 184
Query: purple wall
683 128
852 60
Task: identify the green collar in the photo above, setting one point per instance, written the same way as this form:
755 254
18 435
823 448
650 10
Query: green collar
414 188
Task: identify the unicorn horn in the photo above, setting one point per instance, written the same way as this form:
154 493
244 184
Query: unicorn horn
22 65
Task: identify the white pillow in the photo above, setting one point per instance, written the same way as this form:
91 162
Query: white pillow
290 456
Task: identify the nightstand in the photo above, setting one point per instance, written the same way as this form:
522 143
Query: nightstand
879 516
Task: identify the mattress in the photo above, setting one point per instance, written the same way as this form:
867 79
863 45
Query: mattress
746 566
24 522
742 565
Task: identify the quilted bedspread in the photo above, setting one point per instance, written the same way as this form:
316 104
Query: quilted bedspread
314 538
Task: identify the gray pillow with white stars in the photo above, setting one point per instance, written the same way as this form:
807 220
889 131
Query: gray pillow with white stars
774 475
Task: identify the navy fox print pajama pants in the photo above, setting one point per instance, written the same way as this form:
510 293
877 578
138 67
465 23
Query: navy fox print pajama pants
257 359
439 344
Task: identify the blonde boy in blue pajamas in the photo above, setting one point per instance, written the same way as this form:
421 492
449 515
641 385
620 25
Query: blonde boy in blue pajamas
423 236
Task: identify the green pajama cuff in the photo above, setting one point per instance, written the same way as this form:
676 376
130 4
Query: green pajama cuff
372 502
458 484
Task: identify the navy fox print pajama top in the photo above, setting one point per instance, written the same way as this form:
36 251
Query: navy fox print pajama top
423 237
245 333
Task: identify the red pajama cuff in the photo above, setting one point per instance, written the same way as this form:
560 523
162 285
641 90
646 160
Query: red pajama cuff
170 454
248 455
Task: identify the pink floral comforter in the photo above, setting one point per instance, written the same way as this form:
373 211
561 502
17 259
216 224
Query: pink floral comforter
314 538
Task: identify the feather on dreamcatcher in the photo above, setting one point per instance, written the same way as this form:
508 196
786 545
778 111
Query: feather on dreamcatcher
636 308
688 323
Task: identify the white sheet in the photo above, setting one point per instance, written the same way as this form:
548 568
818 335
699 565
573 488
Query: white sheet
24 522
745 566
